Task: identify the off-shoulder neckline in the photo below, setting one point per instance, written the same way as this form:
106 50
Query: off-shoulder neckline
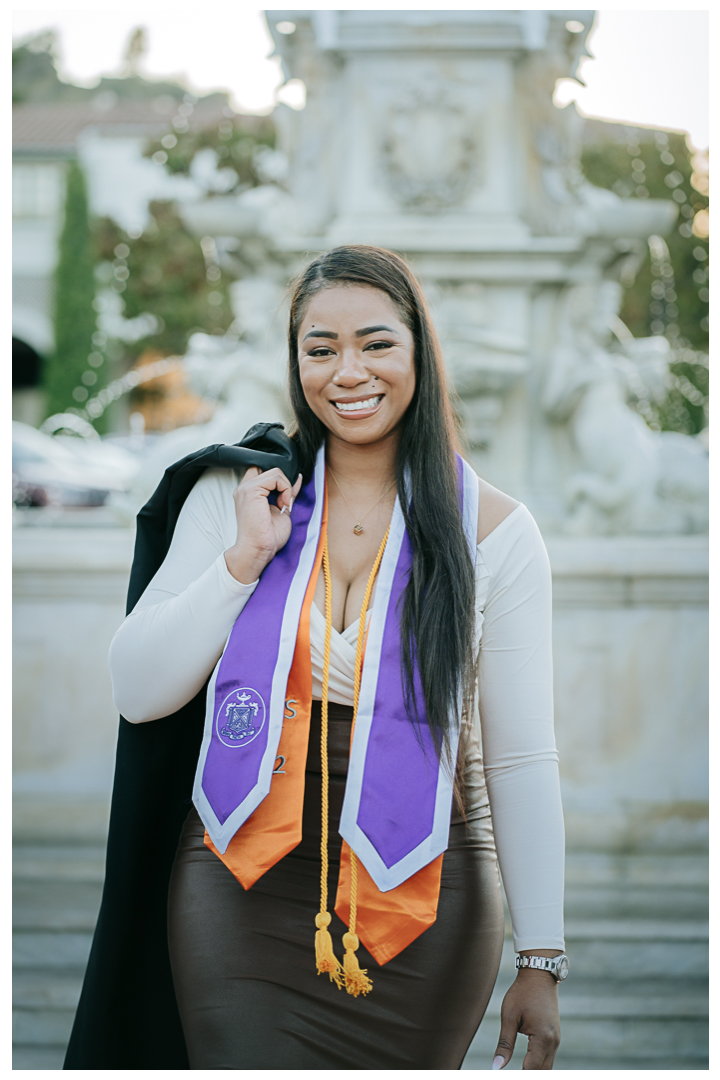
520 506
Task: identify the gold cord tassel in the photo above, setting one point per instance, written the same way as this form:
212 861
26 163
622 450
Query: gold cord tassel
324 956
356 978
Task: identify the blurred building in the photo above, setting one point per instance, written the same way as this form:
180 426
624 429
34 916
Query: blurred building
107 134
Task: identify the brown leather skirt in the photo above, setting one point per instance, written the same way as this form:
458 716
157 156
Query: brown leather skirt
244 961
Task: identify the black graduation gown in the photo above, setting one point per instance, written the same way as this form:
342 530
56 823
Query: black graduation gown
127 1017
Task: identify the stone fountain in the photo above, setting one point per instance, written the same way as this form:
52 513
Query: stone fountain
435 134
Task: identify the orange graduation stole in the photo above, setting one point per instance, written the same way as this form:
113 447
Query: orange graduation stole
385 922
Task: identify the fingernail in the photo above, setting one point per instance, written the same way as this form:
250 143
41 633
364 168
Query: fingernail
498 1062
292 502
283 511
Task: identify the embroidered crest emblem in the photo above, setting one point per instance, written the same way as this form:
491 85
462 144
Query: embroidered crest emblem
241 717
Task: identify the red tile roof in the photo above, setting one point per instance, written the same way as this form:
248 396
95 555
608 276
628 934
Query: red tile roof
54 128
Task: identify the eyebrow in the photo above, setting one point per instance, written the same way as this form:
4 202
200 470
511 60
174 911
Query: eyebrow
321 333
373 329
358 333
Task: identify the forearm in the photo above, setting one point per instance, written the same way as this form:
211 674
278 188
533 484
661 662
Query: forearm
529 833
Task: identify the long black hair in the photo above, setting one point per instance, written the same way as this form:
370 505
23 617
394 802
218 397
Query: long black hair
437 622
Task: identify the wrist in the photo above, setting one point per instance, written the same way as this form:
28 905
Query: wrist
534 975
534 963
245 566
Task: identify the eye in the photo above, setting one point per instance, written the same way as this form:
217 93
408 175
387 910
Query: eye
377 345
321 352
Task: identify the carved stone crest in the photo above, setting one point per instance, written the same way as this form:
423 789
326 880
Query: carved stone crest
430 150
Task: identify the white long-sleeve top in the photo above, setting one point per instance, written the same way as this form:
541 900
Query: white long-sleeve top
167 647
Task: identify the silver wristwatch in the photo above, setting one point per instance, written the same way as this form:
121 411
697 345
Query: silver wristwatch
556 965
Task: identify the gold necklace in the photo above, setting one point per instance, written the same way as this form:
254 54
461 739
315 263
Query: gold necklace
357 528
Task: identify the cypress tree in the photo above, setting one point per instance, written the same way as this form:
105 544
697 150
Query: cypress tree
74 315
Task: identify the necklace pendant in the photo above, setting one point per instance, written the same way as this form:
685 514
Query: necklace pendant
358 529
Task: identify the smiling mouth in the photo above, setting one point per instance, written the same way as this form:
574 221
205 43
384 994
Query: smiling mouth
358 406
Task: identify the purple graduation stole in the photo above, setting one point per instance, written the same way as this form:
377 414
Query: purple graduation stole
398 797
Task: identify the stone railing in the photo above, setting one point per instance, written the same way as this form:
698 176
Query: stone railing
630 625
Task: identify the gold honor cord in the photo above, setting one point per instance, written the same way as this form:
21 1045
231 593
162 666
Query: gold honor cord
324 956
354 978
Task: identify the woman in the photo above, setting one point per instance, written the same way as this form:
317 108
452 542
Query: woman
261 561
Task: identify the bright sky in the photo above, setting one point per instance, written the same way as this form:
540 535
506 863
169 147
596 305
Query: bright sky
661 83
649 67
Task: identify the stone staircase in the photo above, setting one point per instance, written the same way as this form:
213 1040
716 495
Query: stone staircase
636 936
56 898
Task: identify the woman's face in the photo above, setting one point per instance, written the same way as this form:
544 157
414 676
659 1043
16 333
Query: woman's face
356 359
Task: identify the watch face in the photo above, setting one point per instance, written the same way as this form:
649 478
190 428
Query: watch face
562 968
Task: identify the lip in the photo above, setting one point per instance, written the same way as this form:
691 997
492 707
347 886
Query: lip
359 414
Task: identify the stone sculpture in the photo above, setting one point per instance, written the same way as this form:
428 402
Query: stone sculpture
630 479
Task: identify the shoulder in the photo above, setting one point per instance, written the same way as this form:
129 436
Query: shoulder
210 503
494 507
514 552
214 487
217 481
510 544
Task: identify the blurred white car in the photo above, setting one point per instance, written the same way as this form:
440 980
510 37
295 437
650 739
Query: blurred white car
67 470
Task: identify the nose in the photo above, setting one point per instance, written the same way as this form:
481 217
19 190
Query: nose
351 369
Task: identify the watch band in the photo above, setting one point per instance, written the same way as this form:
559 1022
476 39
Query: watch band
556 965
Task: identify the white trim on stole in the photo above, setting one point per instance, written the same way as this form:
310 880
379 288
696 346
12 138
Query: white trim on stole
385 877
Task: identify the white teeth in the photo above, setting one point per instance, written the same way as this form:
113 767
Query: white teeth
357 406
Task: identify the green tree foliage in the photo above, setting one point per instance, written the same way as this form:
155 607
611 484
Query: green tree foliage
167 273
74 314
238 142
35 78
668 293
